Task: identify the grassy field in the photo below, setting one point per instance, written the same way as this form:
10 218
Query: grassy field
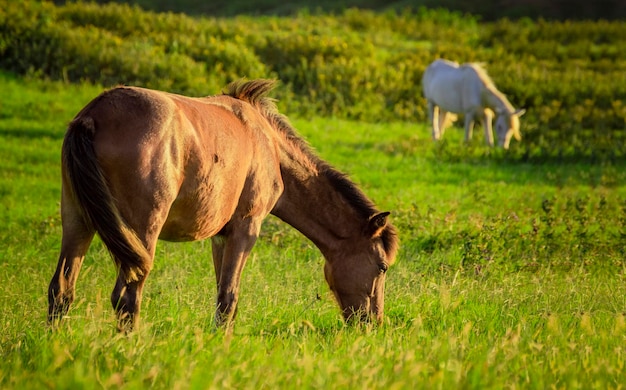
510 275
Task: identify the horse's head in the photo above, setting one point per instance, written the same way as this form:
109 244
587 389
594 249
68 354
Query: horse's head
356 271
507 126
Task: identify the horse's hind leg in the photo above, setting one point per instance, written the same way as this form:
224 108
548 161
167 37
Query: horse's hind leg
487 120
127 294
77 236
445 120
126 300
433 117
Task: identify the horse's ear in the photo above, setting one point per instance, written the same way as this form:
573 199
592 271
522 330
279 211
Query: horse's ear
377 223
520 112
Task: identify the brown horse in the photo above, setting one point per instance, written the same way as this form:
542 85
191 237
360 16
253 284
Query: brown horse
139 165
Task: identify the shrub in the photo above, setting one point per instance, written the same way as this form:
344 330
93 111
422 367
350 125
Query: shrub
570 76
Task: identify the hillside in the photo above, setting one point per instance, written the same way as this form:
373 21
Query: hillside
357 64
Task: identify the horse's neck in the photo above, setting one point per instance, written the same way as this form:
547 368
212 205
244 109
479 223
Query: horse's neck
314 207
496 100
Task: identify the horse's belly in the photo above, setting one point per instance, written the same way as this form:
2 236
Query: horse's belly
192 218
184 231
444 87
447 96
190 230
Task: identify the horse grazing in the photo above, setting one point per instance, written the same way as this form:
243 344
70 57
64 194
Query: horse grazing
140 165
450 89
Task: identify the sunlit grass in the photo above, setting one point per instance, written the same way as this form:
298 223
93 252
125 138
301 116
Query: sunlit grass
477 299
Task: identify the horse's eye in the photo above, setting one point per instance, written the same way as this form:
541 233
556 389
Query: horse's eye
383 267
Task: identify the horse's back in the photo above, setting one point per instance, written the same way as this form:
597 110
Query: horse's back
125 118
441 84
439 72
183 162
451 86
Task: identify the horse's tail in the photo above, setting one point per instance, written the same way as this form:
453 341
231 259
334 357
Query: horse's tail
89 188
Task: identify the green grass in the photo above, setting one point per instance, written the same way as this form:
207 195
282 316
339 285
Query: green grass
509 274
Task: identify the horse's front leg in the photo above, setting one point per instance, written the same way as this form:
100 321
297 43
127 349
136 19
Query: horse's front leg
487 119
469 126
230 252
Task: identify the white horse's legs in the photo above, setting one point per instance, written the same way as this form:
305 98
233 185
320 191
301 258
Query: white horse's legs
469 126
487 119
507 140
443 122
433 117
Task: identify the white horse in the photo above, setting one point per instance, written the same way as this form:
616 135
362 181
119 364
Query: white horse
450 89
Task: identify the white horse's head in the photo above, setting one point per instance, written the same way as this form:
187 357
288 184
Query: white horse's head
507 126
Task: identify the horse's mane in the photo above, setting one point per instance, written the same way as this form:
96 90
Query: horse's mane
482 74
255 92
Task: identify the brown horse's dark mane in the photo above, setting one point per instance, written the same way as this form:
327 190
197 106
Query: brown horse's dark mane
255 92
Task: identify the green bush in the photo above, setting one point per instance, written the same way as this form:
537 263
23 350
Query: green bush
570 76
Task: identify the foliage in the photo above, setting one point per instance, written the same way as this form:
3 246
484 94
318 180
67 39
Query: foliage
486 9
509 275
567 233
357 64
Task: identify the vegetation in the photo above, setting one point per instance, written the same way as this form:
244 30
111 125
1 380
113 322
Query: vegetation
570 76
485 9
511 271
510 274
